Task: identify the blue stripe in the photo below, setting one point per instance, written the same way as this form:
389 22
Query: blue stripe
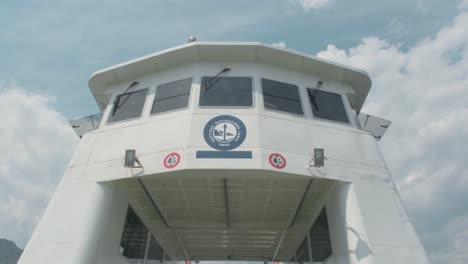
224 154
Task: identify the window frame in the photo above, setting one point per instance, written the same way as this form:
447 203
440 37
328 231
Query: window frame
311 236
189 103
306 243
148 238
129 119
303 115
148 249
254 103
343 101
148 234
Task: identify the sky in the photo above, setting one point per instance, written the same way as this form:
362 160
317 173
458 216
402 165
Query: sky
416 52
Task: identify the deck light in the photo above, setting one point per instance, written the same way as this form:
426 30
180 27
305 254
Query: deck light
319 157
131 159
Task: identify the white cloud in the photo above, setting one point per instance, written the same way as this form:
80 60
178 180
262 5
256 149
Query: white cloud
36 142
424 91
309 4
463 4
280 44
457 244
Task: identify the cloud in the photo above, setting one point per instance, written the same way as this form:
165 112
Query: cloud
463 5
280 44
37 143
423 90
455 252
308 5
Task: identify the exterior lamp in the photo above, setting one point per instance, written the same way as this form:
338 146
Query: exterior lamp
131 159
319 157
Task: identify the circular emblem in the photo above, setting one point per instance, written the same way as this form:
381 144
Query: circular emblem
277 160
171 160
224 132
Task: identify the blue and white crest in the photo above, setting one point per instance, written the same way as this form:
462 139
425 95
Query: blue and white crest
224 132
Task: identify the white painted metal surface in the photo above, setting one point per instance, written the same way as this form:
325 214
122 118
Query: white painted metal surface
220 52
227 208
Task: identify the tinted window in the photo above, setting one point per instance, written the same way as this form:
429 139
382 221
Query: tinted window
320 241
226 91
171 96
302 253
327 105
134 237
155 253
128 105
281 96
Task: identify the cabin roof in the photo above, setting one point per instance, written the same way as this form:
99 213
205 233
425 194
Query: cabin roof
230 52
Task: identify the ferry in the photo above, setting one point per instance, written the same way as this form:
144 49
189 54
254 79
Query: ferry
227 152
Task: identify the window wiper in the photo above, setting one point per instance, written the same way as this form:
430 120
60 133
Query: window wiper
313 96
214 80
117 98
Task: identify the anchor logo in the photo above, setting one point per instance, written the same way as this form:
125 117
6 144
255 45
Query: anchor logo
224 132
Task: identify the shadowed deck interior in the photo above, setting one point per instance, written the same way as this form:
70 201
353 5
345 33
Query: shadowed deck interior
228 214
